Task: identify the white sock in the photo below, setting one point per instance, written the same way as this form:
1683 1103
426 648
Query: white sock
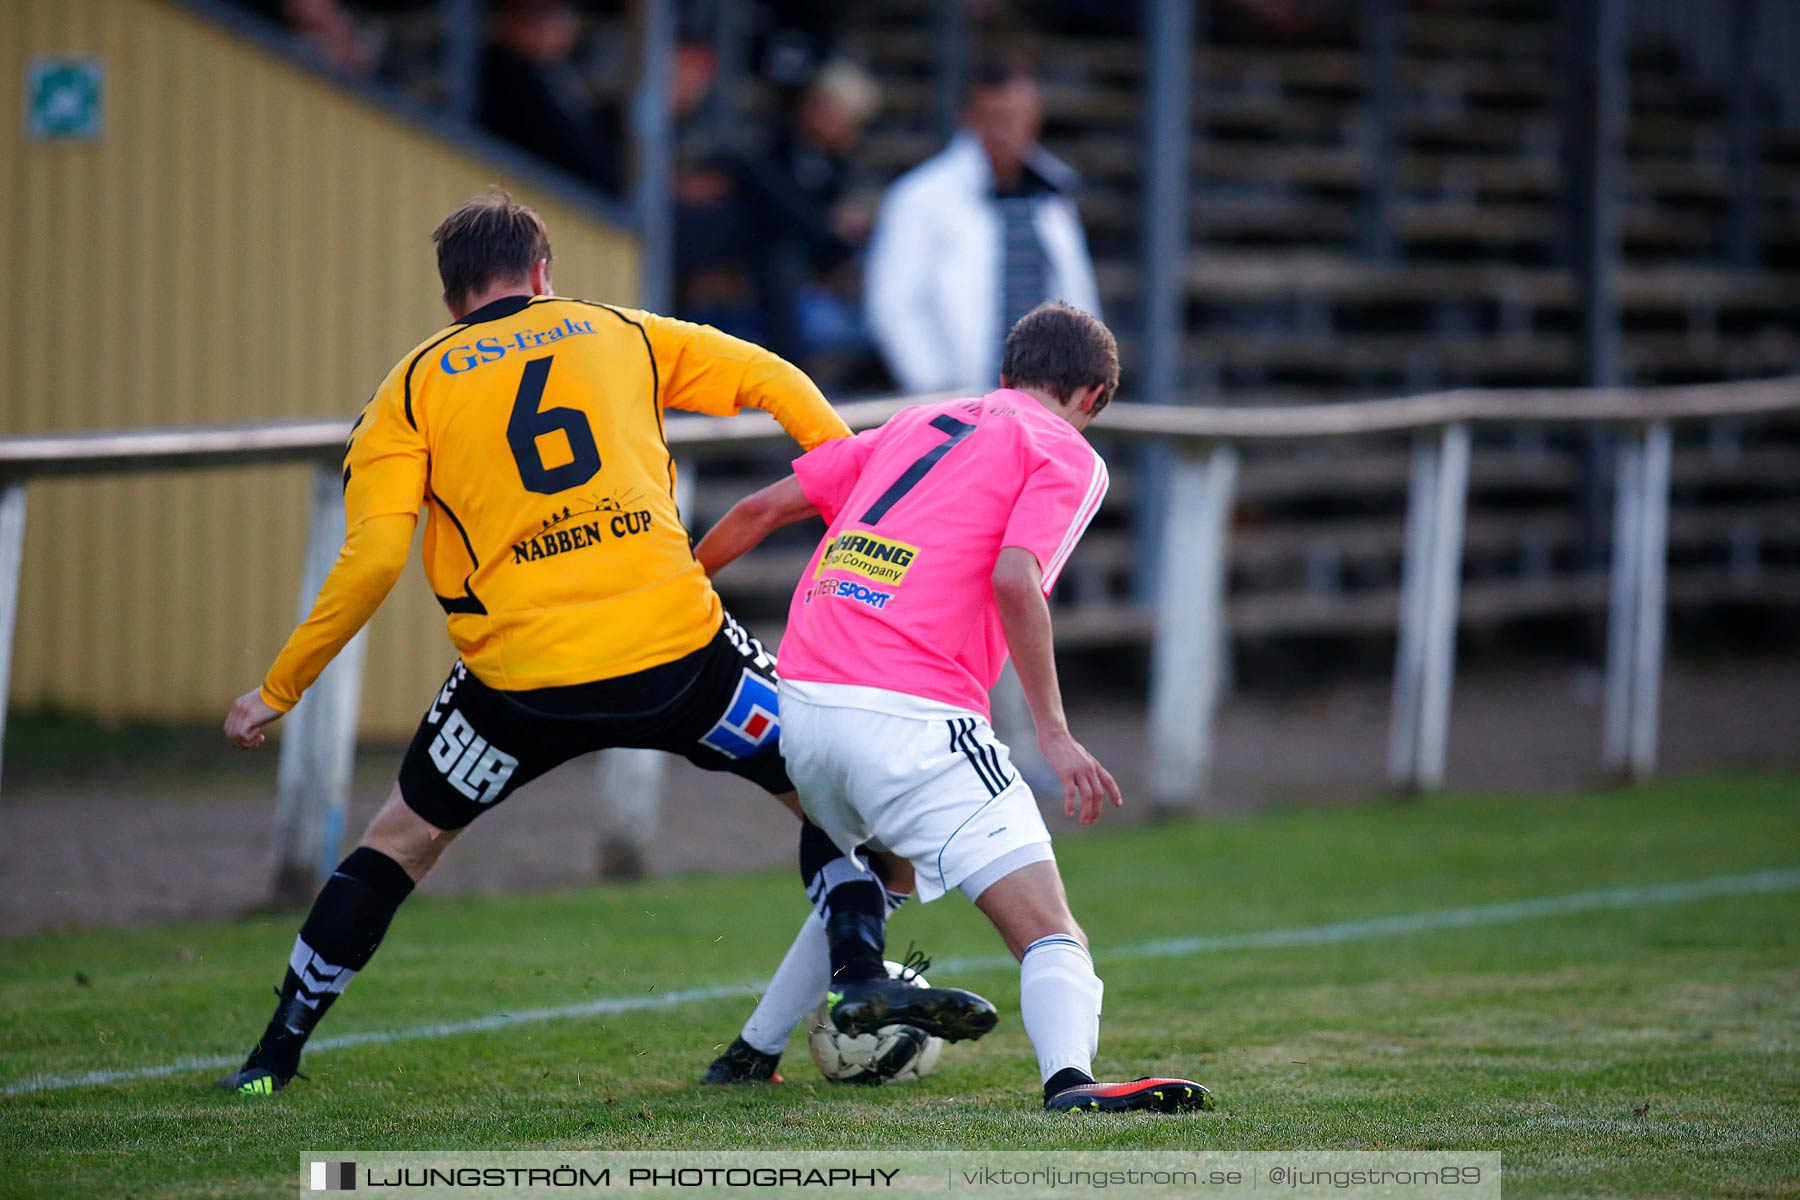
1059 998
798 987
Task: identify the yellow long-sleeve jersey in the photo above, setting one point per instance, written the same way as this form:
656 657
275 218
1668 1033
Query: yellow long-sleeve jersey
531 432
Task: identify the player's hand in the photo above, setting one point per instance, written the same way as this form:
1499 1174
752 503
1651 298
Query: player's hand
244 723
1086 784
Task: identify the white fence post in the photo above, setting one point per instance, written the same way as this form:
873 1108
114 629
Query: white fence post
1634 651
1187 665
630 782
1446 592
1622 610
1409 651
12 550
1653 564
318 746
1425 660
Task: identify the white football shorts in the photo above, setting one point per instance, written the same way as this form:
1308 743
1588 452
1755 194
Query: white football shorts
925 780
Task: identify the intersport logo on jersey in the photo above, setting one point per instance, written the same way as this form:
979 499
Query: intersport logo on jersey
849 589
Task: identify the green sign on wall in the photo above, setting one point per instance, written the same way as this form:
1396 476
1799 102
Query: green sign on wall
64 98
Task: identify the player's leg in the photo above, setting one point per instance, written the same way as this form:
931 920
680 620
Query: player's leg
469 753
730 721
850 894
862 996
800 982
1060 995
340 935
850 901
968 821
830 752
796 988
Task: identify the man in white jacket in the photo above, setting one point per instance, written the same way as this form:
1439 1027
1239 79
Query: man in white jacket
973 239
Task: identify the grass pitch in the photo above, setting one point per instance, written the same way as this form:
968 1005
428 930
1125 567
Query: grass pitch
1635 1045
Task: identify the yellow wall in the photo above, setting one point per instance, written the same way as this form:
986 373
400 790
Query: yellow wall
247 241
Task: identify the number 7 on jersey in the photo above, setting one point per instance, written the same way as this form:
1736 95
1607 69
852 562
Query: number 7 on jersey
909 478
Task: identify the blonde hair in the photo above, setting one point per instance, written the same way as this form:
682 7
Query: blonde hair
848 87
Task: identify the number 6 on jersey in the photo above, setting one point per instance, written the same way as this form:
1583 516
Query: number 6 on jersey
528 425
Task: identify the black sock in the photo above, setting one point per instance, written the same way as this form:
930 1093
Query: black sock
339 937
1068 1077
858 941
852 902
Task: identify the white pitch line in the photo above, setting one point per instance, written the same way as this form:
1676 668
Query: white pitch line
1271 939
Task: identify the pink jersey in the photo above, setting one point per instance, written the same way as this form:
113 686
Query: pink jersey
899 595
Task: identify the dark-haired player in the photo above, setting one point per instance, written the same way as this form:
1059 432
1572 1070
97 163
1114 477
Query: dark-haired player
948 526
530 430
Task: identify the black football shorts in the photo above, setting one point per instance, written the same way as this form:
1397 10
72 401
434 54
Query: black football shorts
716 707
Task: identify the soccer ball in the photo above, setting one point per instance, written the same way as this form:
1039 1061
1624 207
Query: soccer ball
895 1052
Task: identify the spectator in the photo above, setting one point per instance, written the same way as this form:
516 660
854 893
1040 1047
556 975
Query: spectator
713 227
326 29
757 234
801 228
973 239
828 124
534 96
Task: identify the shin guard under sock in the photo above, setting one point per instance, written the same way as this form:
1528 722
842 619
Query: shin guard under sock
339 938
852 902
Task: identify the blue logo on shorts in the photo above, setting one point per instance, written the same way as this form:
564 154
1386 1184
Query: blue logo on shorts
750 722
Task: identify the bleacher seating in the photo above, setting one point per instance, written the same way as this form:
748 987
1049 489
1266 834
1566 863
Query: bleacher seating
1284 305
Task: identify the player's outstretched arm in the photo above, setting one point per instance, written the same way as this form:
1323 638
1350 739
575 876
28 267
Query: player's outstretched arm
372 559
1025 618
705 371
751 520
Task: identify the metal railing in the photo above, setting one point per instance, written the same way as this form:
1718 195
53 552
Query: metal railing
1190 636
